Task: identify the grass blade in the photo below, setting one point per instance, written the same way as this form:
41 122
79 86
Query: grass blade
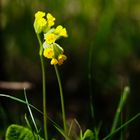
21 101
28 124
122 126
31 114
119 109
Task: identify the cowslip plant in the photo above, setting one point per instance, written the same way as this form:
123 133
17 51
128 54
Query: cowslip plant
43 24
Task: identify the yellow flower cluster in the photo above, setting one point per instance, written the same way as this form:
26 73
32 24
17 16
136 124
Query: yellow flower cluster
51 50
41 23
55 53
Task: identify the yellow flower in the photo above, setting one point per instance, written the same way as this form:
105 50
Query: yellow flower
39 14
50 38
61 59
64 33
54 61
48 52
50 20
40 22
61 31
58 29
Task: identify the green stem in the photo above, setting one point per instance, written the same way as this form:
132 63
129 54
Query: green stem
40 44
62 99
44 98
119 109
43 88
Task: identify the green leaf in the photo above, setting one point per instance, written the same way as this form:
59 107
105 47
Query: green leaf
17 132
88 135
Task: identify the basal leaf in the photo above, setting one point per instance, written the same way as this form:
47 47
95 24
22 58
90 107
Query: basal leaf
18 132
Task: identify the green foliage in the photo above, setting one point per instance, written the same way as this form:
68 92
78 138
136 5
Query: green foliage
17 132
88 135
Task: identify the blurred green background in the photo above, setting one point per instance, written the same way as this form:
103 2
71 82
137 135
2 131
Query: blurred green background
107 29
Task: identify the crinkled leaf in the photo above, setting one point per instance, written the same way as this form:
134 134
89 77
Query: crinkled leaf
17 132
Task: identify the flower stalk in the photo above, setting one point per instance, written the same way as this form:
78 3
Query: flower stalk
43 88
62 98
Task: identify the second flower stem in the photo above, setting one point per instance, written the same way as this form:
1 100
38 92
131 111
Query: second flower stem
62 99
44 98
